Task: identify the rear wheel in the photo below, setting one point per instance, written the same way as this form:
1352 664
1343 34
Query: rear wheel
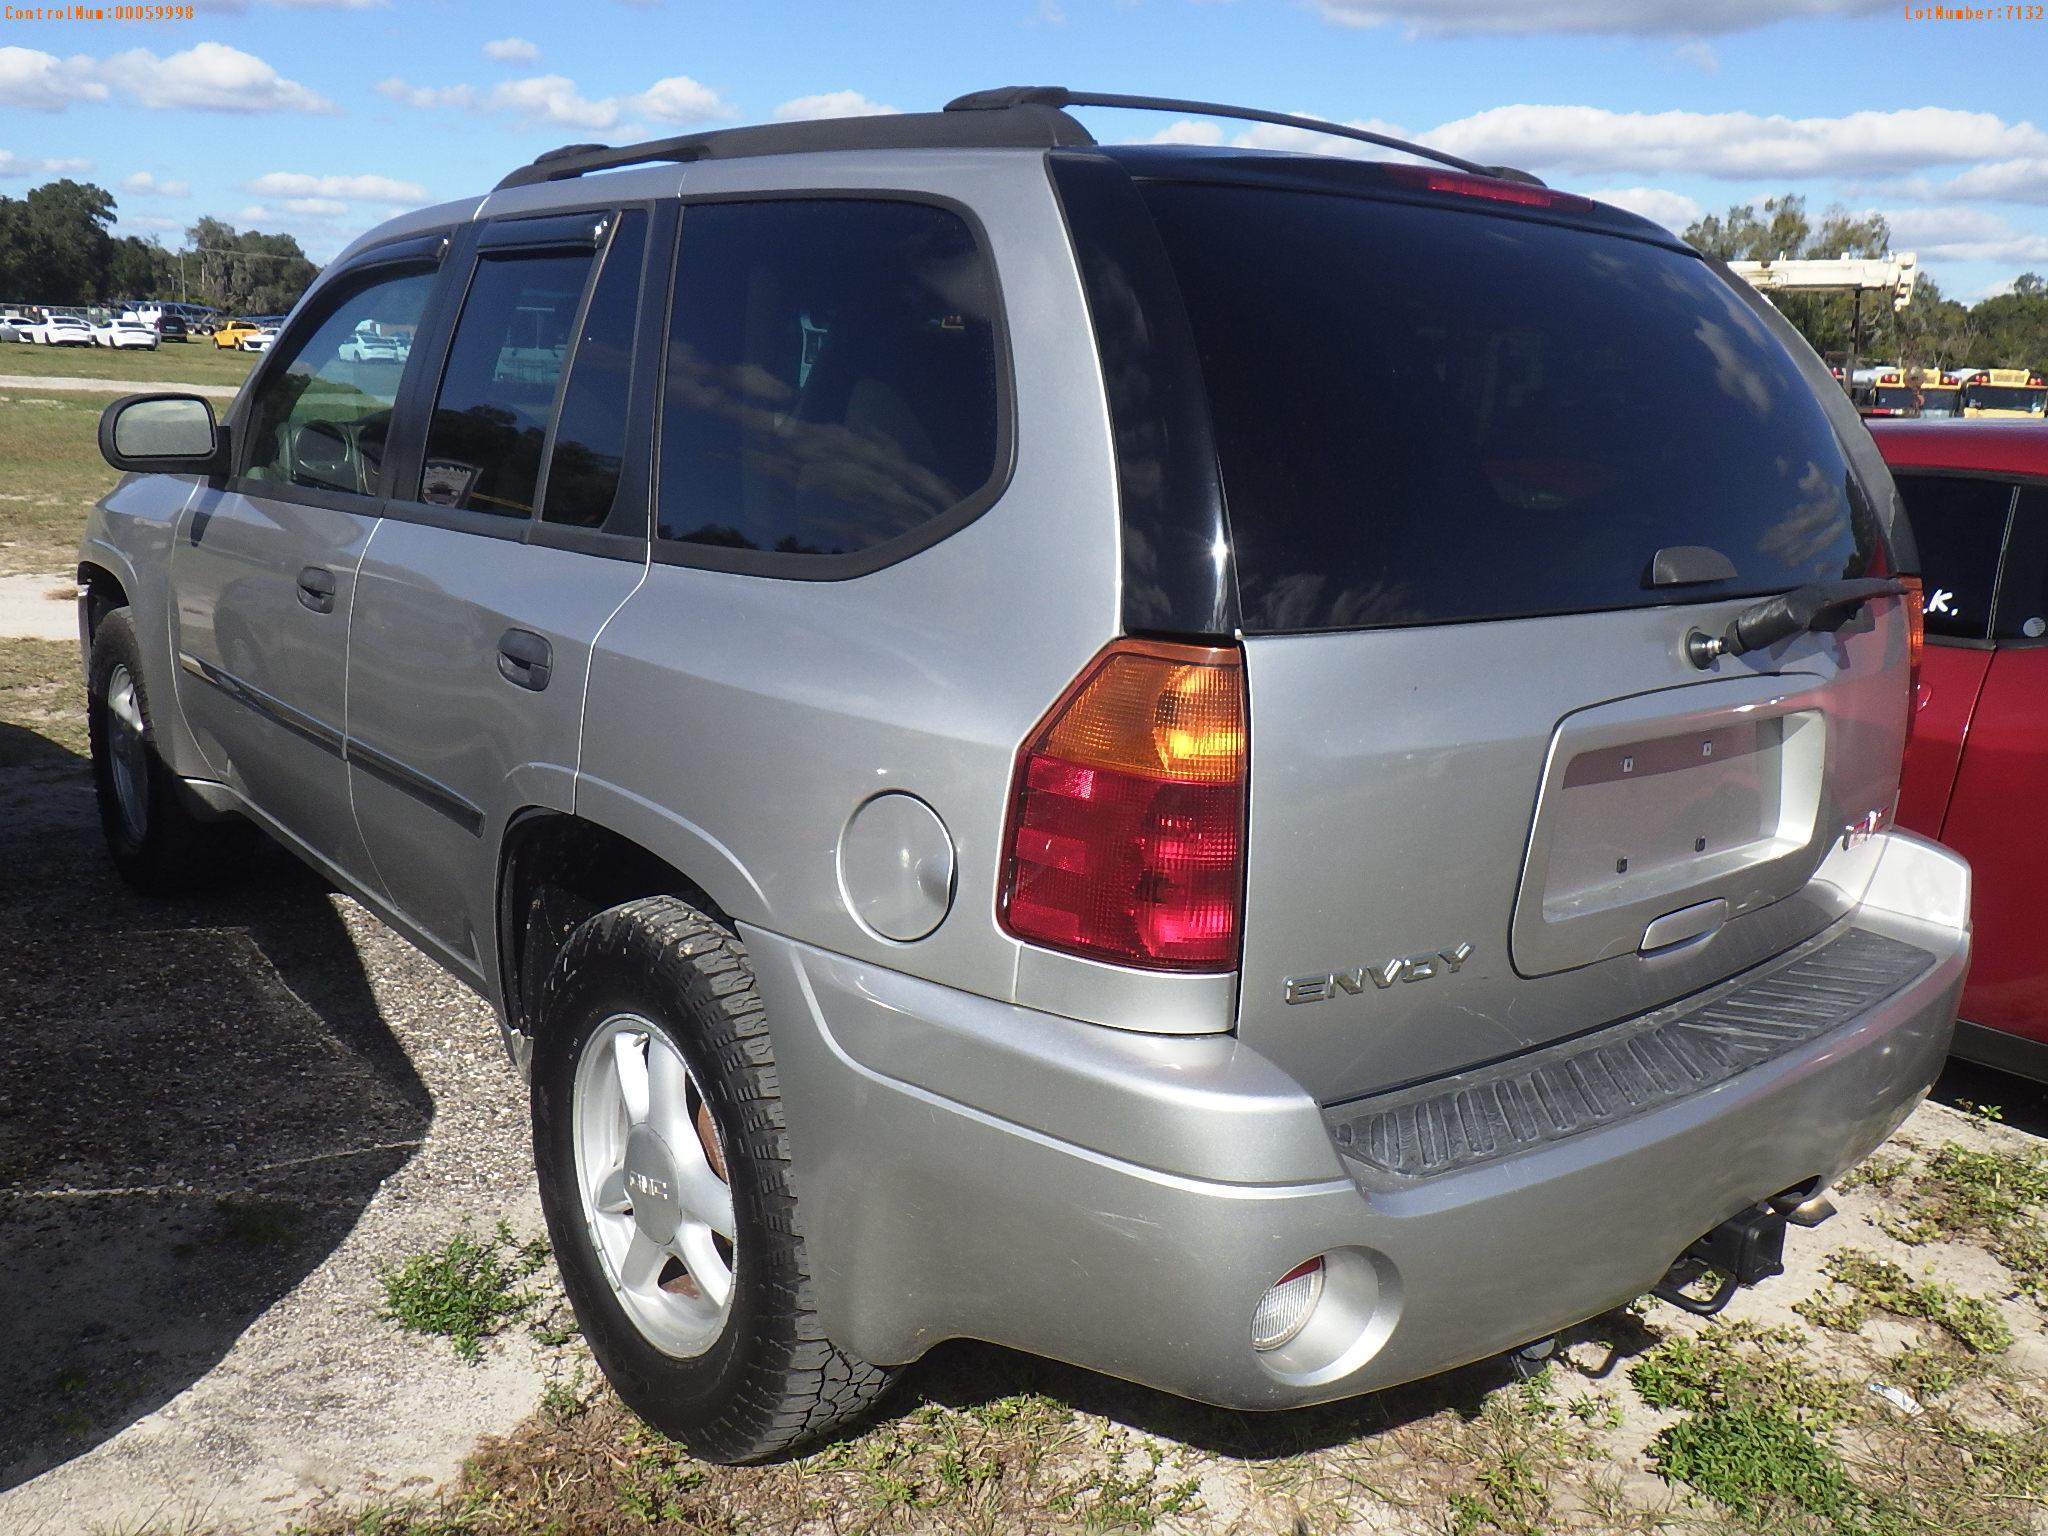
664 1173
157 843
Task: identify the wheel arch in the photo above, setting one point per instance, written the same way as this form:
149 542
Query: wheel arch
555 869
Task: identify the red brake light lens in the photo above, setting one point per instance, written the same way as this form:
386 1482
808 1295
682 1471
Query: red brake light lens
1126 831
1916 636
1494 189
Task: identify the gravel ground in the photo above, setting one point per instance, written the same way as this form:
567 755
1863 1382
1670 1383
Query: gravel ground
219 1119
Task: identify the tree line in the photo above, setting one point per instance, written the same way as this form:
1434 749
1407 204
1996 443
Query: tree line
57 248
2008 330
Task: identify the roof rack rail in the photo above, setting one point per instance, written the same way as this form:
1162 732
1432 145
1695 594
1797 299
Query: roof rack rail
1009 98
1026 125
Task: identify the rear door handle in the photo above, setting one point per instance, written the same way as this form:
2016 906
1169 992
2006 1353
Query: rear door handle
525 659
316 589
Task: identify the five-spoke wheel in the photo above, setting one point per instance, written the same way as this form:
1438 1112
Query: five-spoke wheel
652 1174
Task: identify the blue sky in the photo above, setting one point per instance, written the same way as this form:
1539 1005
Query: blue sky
321 116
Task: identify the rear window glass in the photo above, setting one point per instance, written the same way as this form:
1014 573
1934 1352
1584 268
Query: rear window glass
1959 524
1426 415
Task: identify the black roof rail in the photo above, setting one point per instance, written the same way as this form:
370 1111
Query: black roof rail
1009 98
1027 125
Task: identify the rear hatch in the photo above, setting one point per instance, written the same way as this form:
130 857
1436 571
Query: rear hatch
1492 803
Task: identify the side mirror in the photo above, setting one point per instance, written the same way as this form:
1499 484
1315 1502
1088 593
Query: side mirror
164 435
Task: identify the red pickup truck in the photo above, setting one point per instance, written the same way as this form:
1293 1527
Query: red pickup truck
1977 759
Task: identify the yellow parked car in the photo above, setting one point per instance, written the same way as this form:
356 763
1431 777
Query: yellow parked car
229 336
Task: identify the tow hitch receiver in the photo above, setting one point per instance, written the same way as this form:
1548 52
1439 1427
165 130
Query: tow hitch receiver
1746 1248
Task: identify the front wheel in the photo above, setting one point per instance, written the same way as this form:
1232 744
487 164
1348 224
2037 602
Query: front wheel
157 843
664 1172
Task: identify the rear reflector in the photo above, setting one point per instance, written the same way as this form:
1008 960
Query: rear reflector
1916 637
1491 188
1287 1306
1126 832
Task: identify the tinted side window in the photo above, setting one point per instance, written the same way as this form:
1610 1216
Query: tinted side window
590 439
1429 414
2023 593
320 419
498 389
831 380
1959 523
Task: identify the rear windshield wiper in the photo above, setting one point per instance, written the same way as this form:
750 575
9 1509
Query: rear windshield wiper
1820 605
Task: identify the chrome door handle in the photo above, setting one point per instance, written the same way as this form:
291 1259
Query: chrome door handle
525 659
316 589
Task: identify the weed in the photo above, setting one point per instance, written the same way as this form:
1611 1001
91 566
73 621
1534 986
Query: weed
1754 1458
1972 1320
1878 1172
1120 1496
465 1290
1739 1363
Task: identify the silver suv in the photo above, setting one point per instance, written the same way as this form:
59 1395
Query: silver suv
1267 773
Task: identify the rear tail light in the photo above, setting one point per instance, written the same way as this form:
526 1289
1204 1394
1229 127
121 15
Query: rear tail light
1127 819
1491 188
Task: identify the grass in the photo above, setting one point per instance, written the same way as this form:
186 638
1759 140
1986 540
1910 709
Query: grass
1862 1283
467 1289
192 362
42 705
51 473
1994 1197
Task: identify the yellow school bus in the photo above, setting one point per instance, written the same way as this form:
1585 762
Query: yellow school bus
2015 394
1910 392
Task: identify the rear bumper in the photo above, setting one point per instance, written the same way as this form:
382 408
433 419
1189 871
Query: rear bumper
1120 1201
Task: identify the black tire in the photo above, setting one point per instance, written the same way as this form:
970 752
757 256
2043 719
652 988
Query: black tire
770 1381
158 844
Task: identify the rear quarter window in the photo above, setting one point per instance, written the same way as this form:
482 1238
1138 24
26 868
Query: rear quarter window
1425 415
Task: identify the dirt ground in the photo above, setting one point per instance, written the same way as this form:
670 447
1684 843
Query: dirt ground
222 1119
219 1118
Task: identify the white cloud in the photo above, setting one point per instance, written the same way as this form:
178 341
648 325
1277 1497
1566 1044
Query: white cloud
426 95
511 50
12 165
551 99
679 99
44 82
315 207
1700 55
381 189
830 104
1734 144
2004 181
1630 18
555 99
1276 136
149 223
1957 232
255 213
1187 131
210 77
1674 210
143 182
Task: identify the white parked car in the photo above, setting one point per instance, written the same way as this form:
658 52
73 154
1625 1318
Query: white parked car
62 331
127 331
365 348
260 342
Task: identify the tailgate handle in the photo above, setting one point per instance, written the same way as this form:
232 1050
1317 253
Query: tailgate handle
1686 924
